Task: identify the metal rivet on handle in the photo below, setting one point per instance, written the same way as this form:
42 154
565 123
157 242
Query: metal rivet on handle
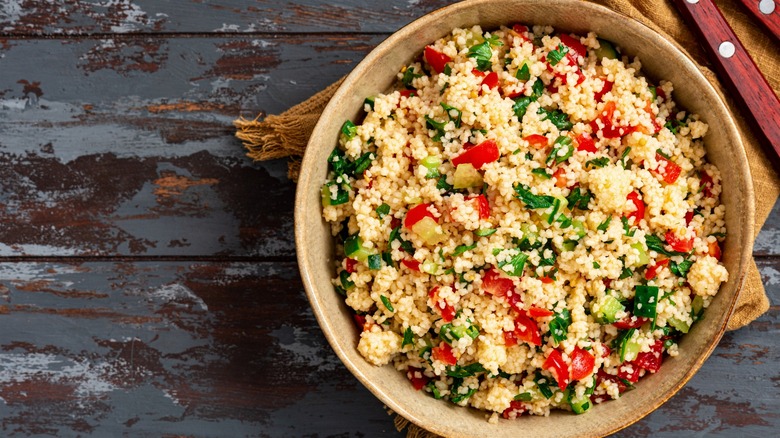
726 49
766 7
693 2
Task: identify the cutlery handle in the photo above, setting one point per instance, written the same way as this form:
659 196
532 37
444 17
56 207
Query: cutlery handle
735 67
768 12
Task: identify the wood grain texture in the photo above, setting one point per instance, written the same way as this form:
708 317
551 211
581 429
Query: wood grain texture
147 277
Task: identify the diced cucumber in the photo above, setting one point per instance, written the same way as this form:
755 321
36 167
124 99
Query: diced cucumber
580 404
643 257
466 176
432 163
629 349
353 248
429 267
606 50
679 324
429 231
325 195
532 236
579 228
552 213
697 307
607 309
569 245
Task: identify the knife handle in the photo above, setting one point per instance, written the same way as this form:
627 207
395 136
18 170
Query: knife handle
735 67
767 12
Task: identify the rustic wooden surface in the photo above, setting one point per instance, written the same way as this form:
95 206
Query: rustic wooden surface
148 283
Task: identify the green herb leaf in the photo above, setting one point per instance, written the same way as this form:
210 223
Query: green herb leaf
543 384
562 150
559 326
484 232
457 397
465 371
524 396
346 283
627 227
680 269
578 198
437 126
655 243
547 261
558 118
541 171
604 225
460 249
387 303
514 266
532 201
538 88
482 54
370 102
523 73
645 301
383 210
408 337
521 105
555 56
450 109
406 245
409 76
597 162
362 163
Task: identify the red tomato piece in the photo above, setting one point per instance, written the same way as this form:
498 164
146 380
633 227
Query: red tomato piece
585 143
649 109
447 312
556 365
574 44
629 371
478 73
688 218
547 279
416 376
651 360
639 208
414 265
671 171
677 244
537 141
408 93
509 339
602 376
417 213
582 363
516 408
515 300
660 93
537 312
714 250
560 178
630 322
483 206
360 320
443 353
604 90
491 80
610 130
607 350
706 184
436 59
519 28
526 330
349 265
479 155
496 284
652 271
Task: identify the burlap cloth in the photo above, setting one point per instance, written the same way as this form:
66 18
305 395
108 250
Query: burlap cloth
286 134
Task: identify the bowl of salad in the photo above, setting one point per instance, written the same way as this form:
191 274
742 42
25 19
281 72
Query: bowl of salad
510 220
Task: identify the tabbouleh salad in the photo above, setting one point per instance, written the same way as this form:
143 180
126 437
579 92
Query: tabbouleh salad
524 222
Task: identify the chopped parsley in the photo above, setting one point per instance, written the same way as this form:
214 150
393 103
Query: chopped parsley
387 303
597 162
383 210
604 225
523 73
555 56
541 171
680 269
408 337
409 76
457 118
532 201
562 150
559 326
460 249
558 118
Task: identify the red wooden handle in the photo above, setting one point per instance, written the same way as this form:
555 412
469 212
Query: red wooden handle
768 12
735 67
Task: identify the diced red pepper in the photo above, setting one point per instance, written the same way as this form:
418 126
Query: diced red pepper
585 143
537 141
519 28
516 408
349 265
582 363
574 44
706 184
360 320
656 126
607 350
418 382
560 178
447 311
537 312
630 322
714 250
436 59
417 213
652 271
671 171
414 265
604 90
483 206
547 278
491 80
556 365
651 360
478 73
639 208
479 155
527 330
496 284
677 244
408 93
610 130
443 353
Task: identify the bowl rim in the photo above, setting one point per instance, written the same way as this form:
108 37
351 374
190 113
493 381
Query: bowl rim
405 32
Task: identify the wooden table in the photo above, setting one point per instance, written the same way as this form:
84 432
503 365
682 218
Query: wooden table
148 283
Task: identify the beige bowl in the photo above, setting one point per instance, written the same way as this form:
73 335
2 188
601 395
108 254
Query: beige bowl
661 60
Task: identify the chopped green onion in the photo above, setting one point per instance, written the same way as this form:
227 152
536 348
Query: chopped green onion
460 249
349 129
387 303
484 232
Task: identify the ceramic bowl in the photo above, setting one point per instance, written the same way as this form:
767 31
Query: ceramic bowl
661 59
